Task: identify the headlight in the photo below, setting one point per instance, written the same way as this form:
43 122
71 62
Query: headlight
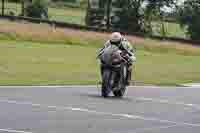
116 61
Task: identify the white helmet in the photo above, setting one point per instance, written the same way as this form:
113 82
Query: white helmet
115 37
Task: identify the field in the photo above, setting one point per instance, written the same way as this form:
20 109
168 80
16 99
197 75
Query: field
27 63
47 56
172 29
64 14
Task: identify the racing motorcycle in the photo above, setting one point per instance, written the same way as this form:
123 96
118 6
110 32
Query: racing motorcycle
114 71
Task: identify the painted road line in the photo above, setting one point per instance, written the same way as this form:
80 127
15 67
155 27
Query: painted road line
14 131
165 101
153 128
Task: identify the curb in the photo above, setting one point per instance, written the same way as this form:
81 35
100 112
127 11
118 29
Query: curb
191 85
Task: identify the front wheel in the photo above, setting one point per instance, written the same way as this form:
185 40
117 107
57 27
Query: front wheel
119 93
122 82
105 90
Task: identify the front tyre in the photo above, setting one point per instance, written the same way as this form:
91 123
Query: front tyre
105 90
119 93
122 82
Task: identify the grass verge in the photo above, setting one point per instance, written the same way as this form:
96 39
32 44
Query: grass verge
29 63
46 56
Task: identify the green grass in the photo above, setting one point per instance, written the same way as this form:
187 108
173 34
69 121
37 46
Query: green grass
69 19
167 68
31 63
26 63
70 15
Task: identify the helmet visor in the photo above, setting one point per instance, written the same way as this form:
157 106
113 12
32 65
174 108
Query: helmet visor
115 42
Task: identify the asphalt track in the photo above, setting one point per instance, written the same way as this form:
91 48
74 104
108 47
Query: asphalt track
81 110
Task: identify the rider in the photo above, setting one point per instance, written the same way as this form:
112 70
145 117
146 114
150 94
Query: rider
123 44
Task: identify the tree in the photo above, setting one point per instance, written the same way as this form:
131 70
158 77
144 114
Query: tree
190 18
141 13
37 9
16 1
130 15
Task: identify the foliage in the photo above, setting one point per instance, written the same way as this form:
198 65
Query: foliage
142 12
135 15
16 1
190 18
37 9
71 1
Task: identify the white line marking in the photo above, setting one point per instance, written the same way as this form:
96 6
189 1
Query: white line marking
14 131
153 128
165 101
127 116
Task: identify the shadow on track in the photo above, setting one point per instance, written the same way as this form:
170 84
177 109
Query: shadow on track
97 96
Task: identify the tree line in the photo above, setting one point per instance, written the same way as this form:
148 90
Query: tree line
139 15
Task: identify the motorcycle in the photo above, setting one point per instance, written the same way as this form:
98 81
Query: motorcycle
114 71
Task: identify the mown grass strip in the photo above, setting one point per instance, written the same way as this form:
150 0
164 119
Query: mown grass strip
28 63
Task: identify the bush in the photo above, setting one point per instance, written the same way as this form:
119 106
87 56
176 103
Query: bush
38 9
15 1
68 1
190 18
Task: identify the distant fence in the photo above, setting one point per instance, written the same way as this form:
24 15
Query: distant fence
7 6
10 8
82 27
58 11
60 17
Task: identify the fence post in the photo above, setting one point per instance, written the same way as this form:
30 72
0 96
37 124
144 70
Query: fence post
3 7
108 14
22 11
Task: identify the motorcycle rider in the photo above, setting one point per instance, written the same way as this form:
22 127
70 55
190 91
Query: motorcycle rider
123 44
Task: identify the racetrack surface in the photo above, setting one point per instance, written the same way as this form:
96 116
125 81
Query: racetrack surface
80 109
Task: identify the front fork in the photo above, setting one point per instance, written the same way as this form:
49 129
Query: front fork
112 82
123 76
